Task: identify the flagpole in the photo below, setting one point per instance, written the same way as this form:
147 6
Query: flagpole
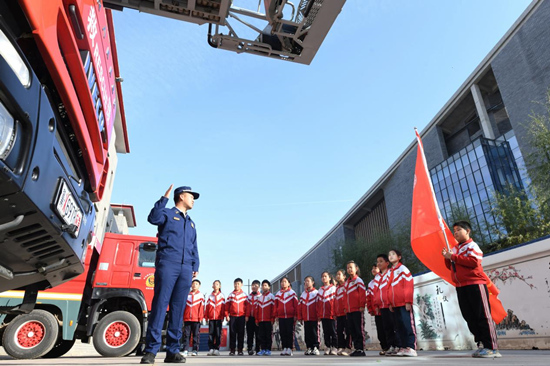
419 141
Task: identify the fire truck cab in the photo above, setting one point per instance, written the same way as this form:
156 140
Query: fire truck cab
108 303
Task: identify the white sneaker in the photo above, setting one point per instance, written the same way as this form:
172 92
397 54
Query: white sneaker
284 352
409 352
315 352
185 354
308 352
194 353
400 352
333 351
289 352
327 351
210 353
216 352
345 352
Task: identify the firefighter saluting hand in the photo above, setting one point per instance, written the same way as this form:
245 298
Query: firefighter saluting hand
177 263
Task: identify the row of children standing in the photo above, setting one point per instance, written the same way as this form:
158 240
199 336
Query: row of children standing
339 308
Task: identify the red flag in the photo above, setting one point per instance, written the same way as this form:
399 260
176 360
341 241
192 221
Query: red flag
430 234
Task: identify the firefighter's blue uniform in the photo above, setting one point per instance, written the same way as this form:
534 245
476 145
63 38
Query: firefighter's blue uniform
177 259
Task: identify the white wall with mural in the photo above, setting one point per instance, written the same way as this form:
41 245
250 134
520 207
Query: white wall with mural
522 275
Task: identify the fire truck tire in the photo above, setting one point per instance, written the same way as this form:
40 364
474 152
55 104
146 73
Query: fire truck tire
61 347
31 335
117 334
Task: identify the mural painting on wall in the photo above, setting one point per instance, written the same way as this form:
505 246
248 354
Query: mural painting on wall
429 312
512 324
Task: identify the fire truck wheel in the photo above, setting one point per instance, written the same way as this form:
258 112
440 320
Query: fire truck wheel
30 335
61 347
117 334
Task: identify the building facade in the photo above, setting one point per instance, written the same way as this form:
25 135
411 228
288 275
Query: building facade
474 146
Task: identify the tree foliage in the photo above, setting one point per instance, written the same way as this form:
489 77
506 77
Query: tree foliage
364 252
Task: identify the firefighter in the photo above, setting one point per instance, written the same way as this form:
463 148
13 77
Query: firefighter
177 263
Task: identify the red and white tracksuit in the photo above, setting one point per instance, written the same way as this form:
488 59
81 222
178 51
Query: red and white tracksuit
356 294
215 307
265 308
325 303
194 309
286 304
235 304
340 301
401 286
307 306
467 257
372 292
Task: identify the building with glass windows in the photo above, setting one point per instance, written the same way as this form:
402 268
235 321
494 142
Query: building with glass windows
474 146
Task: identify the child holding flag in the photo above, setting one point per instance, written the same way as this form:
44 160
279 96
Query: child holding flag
464 260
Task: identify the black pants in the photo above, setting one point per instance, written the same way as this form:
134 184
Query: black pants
191 328
356 327
265 333
404 326
329 332
344 340
388 322
474 306
214 334
251 334
311 333
236 333
380 332
286 332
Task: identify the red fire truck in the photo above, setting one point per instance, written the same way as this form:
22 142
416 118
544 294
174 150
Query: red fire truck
58 101
108 303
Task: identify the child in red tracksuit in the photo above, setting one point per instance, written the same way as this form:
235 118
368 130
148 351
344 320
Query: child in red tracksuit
192 317
340 312
307 314
214 313
464 261
251 326
235 315
356 299
372 293
325 311
382 303
265 316
286 311
400 292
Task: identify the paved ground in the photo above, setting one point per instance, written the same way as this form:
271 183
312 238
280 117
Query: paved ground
83 354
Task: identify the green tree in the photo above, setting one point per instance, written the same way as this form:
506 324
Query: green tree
364 251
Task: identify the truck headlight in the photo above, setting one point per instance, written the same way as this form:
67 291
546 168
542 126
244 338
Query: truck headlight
14 60
7 132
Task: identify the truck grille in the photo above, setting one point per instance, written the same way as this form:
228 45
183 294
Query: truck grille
35 240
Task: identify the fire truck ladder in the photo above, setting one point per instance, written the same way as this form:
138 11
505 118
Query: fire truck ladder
285 31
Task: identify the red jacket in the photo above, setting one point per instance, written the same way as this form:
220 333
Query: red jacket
467 258
340 301
265 308
194 309
215 307
381 299
286 304
401 286
250 305
356 294
235 303
307 306
372 292
325 303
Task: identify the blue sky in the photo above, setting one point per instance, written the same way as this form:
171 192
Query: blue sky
281 151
